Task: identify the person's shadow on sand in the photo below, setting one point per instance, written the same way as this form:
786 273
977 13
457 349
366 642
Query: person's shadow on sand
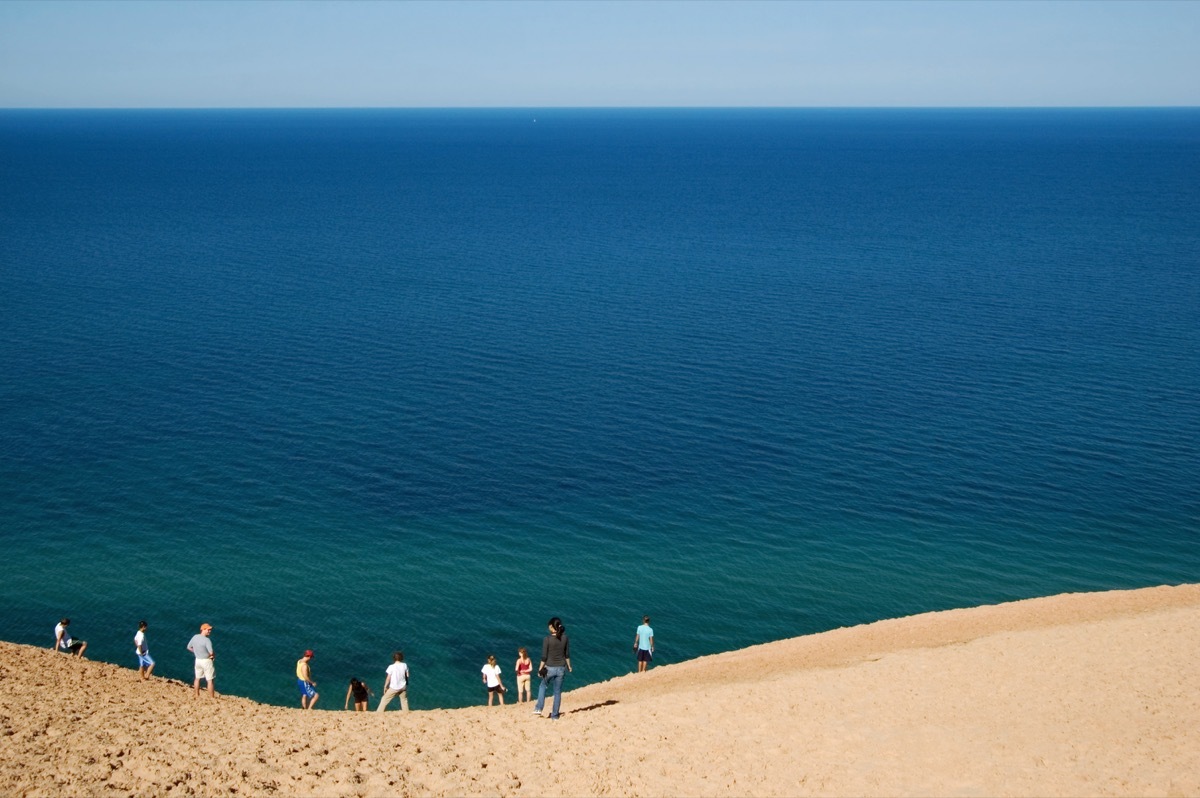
607 703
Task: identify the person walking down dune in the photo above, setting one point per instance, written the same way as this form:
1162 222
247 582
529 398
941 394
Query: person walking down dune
145 661
304 680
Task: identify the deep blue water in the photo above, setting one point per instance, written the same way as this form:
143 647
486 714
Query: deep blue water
364 380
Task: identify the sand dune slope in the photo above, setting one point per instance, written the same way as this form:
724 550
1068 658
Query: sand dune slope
1088 694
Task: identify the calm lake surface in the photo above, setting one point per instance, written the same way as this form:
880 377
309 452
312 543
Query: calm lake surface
365 380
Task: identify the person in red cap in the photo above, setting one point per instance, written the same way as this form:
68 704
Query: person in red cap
304 680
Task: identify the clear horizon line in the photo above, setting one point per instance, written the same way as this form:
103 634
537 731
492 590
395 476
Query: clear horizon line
581 107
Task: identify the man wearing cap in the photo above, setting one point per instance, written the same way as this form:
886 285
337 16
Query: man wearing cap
202 648
304 680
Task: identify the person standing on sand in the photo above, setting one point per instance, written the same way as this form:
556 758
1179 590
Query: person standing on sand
145 661
304 680
202 648
491 679
395 683
63 641
524 670
643 644
556 661
361 693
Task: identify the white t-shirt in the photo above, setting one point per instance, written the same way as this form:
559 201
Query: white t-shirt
397 676
139 641
492 672
66 641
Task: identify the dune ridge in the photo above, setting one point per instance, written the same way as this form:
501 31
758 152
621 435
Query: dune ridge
1077 694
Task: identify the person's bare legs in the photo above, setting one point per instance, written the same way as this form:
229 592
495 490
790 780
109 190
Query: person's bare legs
82 649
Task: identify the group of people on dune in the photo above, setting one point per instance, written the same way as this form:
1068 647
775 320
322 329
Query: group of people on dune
552 669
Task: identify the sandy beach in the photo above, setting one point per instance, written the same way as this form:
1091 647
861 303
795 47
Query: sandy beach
1081 694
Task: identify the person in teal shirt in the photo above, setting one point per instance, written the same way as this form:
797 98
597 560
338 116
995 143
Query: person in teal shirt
643 644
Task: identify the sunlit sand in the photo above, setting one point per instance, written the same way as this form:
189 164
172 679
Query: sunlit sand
1083 694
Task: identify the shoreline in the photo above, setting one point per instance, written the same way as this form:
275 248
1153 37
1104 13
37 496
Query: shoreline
1087 693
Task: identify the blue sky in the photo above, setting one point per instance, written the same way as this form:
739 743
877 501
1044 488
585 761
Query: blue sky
619 53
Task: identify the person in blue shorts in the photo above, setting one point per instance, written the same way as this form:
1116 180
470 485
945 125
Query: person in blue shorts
304 680
643 644
145 661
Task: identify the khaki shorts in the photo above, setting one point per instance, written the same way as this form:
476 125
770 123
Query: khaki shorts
205 669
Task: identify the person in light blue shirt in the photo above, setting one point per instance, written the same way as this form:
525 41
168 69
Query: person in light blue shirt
643 644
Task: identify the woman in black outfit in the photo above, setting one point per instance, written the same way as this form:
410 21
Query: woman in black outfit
556 661
360 692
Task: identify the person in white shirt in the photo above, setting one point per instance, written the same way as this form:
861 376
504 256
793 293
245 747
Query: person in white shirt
145 661
491 679
63 641
395 683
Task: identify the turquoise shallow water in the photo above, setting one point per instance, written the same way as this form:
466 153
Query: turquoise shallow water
363 380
